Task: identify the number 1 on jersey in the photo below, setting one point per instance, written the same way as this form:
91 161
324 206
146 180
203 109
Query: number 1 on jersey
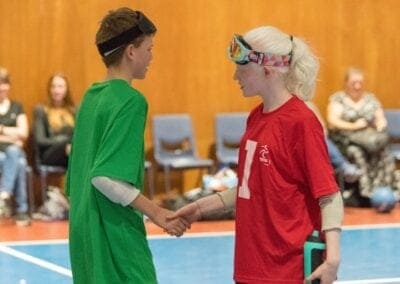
244 191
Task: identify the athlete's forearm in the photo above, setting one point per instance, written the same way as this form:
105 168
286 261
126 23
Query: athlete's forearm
333 246
221 201
146 206
332 218
125 194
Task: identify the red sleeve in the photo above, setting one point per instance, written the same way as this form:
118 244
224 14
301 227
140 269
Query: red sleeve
312 156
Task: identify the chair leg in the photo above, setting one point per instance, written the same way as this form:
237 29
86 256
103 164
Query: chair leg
31 195
199 180
43 185
167 179
150 180
211 170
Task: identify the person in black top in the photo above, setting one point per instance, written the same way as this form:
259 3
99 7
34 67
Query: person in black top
54 123
13 133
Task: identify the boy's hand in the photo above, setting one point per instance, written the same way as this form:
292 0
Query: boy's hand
173 226
190 213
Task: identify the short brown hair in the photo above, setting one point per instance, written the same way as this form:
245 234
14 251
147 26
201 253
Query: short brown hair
4 76
113 24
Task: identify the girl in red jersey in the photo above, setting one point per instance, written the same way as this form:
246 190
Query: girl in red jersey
286 185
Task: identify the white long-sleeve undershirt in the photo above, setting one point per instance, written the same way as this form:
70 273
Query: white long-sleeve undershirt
117 191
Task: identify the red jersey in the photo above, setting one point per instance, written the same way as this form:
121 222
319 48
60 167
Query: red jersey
283 169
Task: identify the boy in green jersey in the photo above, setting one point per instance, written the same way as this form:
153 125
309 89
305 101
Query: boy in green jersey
105 172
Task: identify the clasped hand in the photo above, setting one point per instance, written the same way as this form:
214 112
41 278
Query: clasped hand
176 223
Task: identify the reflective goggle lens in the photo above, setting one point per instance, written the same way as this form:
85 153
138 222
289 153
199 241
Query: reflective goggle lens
237 51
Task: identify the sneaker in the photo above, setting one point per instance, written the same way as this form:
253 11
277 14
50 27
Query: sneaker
22 219
5 206
351 173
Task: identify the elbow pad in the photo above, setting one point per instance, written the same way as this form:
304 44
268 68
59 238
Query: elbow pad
332 211
228 197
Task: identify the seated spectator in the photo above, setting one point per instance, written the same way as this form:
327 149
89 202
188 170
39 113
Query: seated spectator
341 165
357 125
13 133
54 123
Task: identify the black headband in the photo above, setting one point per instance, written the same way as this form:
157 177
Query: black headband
144 26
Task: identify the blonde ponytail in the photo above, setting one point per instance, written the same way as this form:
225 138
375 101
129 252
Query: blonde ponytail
301 75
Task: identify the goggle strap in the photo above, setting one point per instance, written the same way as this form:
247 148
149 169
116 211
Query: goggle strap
260 58
291 50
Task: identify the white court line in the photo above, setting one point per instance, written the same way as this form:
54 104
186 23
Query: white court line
196 235
371 226
68 272
36 242
370 281
35 260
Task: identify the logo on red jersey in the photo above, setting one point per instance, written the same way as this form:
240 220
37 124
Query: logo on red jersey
264 155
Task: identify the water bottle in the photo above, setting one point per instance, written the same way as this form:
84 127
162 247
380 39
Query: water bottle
313 254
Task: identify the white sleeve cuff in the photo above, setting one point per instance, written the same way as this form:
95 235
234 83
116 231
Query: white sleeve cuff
117 191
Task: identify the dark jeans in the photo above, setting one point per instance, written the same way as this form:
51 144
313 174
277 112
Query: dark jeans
55 155
336 157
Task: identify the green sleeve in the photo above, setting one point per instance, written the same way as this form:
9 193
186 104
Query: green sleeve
121 151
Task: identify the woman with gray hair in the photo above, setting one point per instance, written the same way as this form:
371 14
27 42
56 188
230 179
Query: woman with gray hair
357 124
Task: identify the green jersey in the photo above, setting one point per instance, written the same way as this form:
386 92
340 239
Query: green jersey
108 241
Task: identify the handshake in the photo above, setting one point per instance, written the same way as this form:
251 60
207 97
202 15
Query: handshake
176 223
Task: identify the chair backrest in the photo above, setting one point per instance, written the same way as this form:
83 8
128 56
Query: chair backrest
393 120
173 136
36 153
229 129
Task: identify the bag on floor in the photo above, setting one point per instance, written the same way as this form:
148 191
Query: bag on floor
55 208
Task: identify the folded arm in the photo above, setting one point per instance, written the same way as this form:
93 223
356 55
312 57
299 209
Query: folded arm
336 122
15 134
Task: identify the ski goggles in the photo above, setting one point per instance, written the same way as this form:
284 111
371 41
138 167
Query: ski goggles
242 53
144 26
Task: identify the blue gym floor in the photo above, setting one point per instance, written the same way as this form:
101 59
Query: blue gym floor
370 254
